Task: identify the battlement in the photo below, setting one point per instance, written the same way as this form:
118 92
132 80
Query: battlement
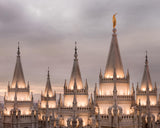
78 108
48 98
26 89
119 97
140 92
110 80
124 116
79 92
18 101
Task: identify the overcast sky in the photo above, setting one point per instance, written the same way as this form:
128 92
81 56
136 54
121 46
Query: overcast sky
47 30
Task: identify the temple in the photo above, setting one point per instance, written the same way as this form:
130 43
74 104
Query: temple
115 103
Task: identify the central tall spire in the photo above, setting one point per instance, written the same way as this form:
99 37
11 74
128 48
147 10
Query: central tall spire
114 58
18 72
76 74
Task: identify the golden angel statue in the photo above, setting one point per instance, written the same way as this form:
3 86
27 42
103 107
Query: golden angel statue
114 20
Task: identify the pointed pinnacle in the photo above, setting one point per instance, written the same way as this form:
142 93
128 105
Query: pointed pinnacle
18 52
155 85
48 76
146 61
86 84
75 84
75 54
133 85
65 82
114 74
139 102
100 73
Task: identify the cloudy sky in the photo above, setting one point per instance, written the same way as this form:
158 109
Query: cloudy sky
47 30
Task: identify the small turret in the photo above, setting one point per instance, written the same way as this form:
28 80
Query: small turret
127 75
54 93
75 85
60 101
100 73
42 93
155 86
32 96
65 84
8 86
91 100
133 91
86 86
74 101
96 90
28 85
137 88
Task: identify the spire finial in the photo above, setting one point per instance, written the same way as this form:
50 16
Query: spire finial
146 61
75 54
48 76
18 52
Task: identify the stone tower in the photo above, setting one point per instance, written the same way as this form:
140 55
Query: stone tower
19 110
75 109
147 95
81 92
114 98
47 107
